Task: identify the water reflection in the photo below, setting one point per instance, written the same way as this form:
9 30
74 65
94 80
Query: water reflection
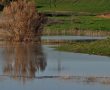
23 61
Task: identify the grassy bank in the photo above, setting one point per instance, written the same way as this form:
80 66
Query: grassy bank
96 47
79 23
72 32
83 15
93 6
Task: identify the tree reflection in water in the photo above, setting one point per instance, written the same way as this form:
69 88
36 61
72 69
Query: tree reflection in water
22 61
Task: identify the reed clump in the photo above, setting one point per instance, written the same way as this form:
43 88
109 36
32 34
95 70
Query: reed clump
22 22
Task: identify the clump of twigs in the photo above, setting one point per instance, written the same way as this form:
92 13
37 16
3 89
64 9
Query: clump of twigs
22 22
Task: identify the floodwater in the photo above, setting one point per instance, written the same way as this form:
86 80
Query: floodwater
40 67
72 37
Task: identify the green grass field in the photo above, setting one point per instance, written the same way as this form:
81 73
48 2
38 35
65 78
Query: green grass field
93 6
80 23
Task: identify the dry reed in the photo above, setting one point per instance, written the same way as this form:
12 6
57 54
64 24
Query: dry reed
21 21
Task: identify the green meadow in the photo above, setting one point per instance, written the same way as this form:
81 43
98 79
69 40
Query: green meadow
83 17
80 23
93 6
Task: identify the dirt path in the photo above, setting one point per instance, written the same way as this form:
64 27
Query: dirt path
104 16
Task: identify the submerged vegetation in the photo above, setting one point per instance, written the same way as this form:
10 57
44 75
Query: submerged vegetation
101 47
21 22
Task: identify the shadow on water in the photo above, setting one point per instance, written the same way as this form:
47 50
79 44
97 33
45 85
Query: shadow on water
23 60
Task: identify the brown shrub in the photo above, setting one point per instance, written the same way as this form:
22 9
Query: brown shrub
22 22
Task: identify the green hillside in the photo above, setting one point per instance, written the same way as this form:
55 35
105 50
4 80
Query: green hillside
93 6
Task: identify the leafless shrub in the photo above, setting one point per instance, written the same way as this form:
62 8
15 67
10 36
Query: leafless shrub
21 21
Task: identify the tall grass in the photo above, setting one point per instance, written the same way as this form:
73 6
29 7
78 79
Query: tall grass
21 21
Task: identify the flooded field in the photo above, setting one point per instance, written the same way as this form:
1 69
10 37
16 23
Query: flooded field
32 66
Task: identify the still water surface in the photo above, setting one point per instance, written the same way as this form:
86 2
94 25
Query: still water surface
72 37
40 67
